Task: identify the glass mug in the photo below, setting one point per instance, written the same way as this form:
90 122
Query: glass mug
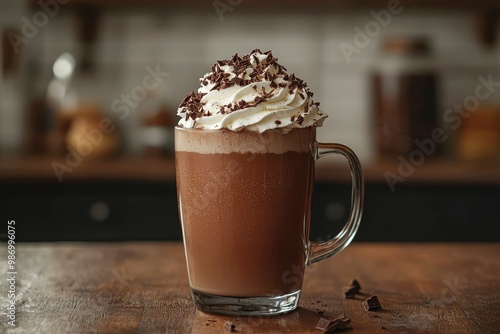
245 205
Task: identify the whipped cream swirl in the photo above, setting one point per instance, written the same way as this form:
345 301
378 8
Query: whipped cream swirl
252 92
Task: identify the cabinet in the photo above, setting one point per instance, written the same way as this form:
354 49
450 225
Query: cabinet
414 212
147 210
91 210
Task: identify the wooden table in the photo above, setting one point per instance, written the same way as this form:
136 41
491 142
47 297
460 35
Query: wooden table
143 288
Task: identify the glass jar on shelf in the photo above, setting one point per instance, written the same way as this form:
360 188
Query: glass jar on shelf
405 87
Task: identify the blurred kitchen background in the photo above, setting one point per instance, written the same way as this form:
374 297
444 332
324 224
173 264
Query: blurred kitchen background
104 78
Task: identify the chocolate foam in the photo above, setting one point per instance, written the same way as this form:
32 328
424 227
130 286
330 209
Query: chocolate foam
225 141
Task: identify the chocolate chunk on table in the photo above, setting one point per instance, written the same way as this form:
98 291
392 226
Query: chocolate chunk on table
331 325
372 303
230 326
354 283
350 291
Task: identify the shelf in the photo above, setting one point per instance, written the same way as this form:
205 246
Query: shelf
130 169
163 170
442 172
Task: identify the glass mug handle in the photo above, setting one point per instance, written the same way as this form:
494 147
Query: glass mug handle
321 250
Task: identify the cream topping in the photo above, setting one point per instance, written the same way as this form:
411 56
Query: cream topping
252 92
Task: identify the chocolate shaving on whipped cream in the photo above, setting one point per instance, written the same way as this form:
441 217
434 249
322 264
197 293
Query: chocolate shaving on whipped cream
252 92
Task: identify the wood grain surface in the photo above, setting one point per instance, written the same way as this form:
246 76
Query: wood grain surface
143 288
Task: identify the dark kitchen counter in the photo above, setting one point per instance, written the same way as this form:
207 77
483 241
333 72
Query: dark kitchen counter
106 200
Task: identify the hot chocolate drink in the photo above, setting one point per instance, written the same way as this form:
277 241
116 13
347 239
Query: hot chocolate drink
245 209
245 149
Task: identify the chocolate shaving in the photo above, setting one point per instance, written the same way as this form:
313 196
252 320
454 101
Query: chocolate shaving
267 76
267 95
257 61
281 69
192 105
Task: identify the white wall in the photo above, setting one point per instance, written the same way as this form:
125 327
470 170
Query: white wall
187 44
